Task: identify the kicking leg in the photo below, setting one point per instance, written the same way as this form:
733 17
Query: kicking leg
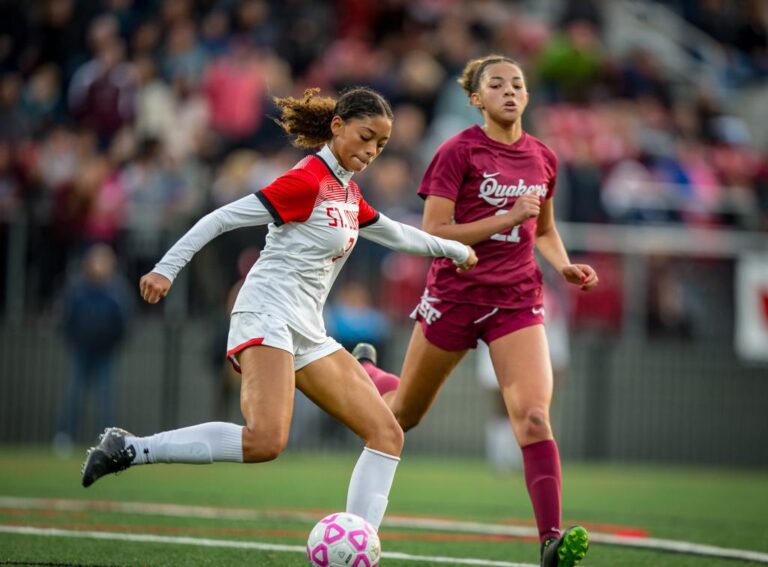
338 385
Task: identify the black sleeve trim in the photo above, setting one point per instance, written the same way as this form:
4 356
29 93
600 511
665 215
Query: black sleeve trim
370 222
270 207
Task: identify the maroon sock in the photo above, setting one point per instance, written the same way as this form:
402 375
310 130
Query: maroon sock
541 461
384 381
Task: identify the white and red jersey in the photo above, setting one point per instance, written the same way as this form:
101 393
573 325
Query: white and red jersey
315 213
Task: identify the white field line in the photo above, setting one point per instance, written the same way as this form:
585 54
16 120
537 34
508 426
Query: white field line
434 524
203 542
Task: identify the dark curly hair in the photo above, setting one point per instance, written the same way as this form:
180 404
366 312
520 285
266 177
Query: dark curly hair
473 71
308 119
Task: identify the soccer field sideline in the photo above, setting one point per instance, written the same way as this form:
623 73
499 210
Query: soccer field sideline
205 542
425 523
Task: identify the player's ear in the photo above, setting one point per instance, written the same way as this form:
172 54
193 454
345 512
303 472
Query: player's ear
474 100
337 125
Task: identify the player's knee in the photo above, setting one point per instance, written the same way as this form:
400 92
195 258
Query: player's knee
388 438
535 424
262 447
272 449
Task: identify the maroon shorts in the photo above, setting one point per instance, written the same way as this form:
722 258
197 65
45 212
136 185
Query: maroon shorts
458 326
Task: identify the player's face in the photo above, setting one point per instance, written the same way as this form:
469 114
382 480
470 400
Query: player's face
356 142
502 94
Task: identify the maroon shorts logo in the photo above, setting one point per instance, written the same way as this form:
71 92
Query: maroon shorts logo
426 309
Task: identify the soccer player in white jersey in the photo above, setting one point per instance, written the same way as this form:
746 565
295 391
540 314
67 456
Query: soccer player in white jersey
277 339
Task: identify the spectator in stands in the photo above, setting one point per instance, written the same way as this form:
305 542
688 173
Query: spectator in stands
41 100
571 64
235 89
642 76
407 50
183 54
15 124
95 315
101 95
669 311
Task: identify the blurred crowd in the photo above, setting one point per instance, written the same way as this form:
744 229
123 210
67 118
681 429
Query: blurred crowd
123 121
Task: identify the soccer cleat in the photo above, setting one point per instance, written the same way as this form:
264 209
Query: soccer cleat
567 550
365 351
109 456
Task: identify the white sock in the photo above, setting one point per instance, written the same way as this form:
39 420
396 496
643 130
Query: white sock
370 484
198 444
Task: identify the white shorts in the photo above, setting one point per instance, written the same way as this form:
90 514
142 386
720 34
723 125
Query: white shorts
248 329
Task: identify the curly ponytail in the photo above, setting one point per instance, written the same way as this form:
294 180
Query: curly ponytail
308 120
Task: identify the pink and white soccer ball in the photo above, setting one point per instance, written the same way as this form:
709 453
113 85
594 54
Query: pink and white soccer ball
343 540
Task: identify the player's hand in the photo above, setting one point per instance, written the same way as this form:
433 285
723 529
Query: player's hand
154 287
580 274
525 207
469 263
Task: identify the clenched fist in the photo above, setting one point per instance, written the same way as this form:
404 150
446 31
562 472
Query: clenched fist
525 207
582 275
154 287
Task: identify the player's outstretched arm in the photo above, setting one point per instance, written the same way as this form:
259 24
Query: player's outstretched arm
411 240
248 211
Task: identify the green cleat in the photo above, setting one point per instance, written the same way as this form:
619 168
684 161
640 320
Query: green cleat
567 550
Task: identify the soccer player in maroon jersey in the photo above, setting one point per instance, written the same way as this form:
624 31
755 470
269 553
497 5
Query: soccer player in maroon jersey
492 187
277 338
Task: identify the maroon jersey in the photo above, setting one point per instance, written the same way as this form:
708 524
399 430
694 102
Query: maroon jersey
484 178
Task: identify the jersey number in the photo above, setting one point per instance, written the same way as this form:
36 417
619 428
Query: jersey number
511 235
350 244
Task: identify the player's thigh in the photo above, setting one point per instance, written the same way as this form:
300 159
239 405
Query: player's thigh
425 369
267 388
339 385
523 369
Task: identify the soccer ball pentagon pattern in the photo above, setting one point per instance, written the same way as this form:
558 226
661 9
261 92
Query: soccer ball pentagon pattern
343 540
